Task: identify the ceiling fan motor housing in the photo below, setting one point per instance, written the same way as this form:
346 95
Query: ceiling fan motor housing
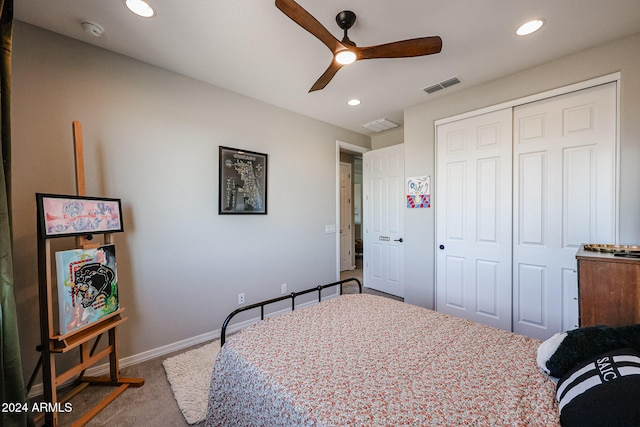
346 19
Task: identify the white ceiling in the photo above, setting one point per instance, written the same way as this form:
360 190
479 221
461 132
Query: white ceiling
250 47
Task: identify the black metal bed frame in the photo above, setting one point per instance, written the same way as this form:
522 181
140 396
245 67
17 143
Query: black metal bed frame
292 296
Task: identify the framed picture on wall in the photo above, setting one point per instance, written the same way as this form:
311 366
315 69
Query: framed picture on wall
61 215
242 182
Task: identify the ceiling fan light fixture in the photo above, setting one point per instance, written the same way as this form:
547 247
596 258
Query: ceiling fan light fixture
345 57
140 8
353 102
530 27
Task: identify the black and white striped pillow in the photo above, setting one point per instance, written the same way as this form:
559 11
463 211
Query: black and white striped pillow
602 391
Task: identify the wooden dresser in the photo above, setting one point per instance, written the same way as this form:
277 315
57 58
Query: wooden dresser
608 289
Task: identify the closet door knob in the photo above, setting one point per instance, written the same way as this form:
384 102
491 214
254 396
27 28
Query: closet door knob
441 247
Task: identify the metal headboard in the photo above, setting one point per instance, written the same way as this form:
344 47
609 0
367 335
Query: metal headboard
292 296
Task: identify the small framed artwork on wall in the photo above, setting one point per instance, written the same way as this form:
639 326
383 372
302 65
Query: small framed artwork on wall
242 182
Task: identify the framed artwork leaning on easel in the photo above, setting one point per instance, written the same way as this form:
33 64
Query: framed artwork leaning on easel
63 215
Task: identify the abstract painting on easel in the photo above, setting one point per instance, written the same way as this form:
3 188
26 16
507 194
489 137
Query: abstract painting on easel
87 286
62 216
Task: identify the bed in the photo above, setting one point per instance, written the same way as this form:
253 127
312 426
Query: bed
365 360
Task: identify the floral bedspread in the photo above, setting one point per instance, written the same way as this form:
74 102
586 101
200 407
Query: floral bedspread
363 360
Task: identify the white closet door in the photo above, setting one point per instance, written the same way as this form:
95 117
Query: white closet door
473 226
564 195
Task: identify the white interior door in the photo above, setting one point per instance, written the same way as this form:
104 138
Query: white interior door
473 225
347 261
565 195
383 178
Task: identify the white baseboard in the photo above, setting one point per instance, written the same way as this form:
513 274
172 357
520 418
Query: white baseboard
103 369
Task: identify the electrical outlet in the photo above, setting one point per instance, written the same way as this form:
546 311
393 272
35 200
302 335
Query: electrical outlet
283 288
241 298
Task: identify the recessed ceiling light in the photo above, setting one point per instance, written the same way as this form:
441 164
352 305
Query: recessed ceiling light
140 8
530 27
353 102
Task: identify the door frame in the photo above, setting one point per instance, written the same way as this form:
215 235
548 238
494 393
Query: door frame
350 148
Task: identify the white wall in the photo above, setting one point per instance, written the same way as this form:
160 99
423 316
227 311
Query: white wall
622 55
151 138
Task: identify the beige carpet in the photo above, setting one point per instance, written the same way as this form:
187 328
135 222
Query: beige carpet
189 374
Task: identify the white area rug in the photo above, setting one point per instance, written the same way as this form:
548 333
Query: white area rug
189 374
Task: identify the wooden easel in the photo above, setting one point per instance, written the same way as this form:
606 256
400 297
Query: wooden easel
54 344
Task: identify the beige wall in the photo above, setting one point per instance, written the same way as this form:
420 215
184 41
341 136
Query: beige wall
620 56
151 138
387 138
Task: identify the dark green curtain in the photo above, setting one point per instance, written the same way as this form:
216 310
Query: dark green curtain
11 379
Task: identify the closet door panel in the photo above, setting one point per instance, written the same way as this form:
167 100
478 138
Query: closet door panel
473 209
531 306
488 182
487 290
579 173
564 192
532 201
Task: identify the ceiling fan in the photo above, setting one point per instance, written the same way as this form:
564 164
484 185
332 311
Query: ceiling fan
346 51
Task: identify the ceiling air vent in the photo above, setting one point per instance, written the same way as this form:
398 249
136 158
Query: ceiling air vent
380 125
442 85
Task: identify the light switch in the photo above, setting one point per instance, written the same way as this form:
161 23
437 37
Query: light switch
329 229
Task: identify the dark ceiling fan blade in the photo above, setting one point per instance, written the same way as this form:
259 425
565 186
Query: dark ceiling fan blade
303 18
402 49
326 77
